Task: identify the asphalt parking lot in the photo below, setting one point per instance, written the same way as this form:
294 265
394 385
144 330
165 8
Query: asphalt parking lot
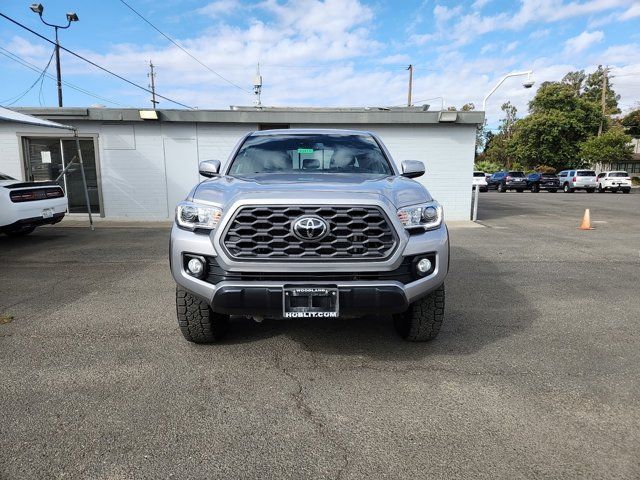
535 373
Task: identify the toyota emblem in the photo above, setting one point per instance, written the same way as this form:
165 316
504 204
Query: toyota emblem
310 228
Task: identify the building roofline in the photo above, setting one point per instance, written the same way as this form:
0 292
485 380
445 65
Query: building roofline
271 115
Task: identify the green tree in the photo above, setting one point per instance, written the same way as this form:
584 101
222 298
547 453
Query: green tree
593 90
496 150
612 146
559 121
575 80
631 123
487 167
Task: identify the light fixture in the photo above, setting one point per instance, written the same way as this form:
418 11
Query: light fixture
37 8
195 267
447 116
72 17
148 114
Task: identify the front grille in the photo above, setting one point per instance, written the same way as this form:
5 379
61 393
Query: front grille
405 273
264 233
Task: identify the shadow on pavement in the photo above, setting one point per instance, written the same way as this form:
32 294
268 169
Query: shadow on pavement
482 308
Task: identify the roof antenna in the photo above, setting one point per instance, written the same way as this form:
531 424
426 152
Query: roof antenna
257 87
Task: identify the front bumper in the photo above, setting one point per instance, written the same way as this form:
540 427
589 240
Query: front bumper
265 297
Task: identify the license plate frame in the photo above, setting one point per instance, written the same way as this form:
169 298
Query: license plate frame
47 213
310 301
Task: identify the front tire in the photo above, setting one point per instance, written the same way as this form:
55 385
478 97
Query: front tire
423 319
197 322
501 188
626 190
567 189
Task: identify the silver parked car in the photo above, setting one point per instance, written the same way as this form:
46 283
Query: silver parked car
572 180
309 223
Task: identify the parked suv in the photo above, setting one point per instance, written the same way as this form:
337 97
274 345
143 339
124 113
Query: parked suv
572 180
614 181
480 179
543 181
503 181
309 223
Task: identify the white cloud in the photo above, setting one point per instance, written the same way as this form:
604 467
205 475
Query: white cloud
489 47
479 4
463 28
632 12
511 46
219 7
583 41
400 58
537 34
336 62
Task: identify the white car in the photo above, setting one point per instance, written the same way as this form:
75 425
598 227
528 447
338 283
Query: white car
614 181
480 179
26 205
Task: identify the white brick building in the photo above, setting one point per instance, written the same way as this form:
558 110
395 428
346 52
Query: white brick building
139 169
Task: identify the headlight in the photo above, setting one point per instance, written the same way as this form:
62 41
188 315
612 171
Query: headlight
191 216
427 216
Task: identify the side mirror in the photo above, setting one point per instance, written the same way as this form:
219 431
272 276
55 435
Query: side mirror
412 168
209 168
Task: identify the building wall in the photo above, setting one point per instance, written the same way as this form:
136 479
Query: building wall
145 168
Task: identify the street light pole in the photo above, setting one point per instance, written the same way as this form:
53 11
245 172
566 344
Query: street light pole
71 17
58 71
527 84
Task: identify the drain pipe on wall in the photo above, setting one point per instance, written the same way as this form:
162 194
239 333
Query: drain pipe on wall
474 212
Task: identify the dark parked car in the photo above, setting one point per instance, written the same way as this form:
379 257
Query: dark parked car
543 181
503 181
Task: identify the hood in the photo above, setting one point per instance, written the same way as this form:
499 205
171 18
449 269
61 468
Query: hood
400 191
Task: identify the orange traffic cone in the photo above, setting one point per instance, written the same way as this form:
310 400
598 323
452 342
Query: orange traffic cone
586 221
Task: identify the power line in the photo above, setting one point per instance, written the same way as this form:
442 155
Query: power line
182 48
38 79
24 63
93 63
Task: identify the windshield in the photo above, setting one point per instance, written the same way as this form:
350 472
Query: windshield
585 173
516 174
5 177
478 174
310 153
618 174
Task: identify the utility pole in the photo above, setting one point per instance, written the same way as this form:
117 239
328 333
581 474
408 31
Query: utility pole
71 17
605 78
152 85
257 87
410 68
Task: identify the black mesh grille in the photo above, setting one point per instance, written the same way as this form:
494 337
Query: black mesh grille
264 232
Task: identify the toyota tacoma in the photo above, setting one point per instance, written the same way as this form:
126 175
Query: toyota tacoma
309 223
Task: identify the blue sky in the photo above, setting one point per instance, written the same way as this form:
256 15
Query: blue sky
322 52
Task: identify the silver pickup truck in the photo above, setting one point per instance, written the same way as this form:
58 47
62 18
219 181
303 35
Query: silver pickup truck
309 223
